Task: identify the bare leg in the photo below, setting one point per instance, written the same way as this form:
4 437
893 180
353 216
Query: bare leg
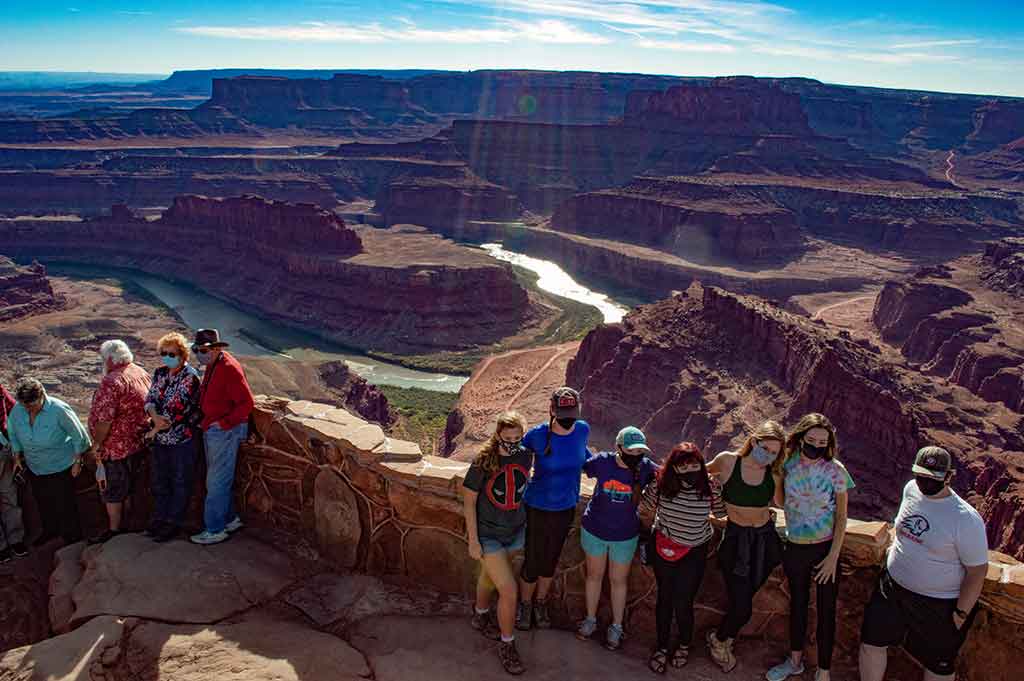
526 590
499 569
543 588
114 514
595 580
873 661
484 587
618 575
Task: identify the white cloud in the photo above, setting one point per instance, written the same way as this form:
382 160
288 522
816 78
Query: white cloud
545 31
933 43
685 46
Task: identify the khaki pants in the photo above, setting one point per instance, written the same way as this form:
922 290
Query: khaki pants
12 531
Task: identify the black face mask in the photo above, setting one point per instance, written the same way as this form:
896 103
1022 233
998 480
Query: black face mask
691 478
631 460
929 486
813 452
509 448
566 422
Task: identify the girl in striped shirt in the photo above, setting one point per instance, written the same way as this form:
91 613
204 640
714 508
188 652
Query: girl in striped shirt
683 500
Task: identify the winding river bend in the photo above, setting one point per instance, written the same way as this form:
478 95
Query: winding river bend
250 334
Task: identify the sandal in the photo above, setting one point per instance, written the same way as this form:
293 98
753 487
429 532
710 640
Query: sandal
680 657
658 661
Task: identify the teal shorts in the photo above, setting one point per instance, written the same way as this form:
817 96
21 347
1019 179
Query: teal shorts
618 551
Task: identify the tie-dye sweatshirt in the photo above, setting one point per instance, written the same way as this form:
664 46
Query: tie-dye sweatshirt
811 489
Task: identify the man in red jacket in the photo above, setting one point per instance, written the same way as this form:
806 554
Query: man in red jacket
225 401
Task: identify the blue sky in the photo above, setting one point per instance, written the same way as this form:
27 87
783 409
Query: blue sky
924 44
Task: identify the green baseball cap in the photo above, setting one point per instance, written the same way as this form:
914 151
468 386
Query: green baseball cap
632 437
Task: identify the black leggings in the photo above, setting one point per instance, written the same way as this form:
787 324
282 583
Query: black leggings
798 561
57 504
765 554
546 532
678 583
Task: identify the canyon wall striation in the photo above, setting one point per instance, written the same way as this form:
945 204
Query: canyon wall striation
25 291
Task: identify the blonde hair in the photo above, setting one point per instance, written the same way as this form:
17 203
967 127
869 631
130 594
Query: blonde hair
769 430
488 458
176 341
805 424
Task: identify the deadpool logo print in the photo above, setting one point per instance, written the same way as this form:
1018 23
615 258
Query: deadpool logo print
506 487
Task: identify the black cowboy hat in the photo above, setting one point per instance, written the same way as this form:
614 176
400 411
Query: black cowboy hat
208 338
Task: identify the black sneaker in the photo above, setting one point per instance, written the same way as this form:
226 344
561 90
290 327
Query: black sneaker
43 540
166 534
510 659
19 549
524 616
103 537
5 556
541 615
485 624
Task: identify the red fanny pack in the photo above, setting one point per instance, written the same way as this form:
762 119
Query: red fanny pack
668 549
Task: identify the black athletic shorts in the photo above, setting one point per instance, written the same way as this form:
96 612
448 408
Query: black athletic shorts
921 624
546 532
120 479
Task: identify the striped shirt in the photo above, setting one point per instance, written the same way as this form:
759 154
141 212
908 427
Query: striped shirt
684 517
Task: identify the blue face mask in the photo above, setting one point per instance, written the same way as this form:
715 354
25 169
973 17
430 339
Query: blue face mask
171 362
762 456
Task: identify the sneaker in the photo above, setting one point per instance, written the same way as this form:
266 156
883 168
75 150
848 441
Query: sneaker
510 659
721 652
19 549
165 534
154 529
586 628
102 538
43 540
485 624
5 556
235 525
613 639
784 670
541 615
206 537
524 616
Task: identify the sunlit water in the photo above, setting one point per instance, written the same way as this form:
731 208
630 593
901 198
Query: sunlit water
554 279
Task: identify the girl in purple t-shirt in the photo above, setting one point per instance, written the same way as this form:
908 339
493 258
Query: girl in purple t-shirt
611 526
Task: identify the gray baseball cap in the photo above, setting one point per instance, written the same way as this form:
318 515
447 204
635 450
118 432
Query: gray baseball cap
932 462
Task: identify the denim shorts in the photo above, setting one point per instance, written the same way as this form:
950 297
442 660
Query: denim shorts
493 545
618 551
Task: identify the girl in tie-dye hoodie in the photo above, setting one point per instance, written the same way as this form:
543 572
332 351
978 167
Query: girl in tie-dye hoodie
815 487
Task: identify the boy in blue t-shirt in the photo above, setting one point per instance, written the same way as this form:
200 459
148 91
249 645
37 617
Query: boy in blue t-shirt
611 525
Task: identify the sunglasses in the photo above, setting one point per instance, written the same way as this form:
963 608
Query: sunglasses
168 354
200 351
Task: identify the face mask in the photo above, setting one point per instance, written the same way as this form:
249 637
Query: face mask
929 486
812 452
171 362
762 456
631 460
691 478
566 422
205 358
509 448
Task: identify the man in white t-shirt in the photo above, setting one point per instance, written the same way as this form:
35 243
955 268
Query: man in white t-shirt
926 596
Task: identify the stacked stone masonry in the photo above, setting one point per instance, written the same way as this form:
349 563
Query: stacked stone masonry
377 505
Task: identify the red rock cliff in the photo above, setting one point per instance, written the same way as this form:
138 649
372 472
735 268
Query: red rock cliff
25 291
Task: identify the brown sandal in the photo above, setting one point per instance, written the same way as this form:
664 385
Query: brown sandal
658 662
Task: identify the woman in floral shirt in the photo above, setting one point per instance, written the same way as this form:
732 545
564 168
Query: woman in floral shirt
173 404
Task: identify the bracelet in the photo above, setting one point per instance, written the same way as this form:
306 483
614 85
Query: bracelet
958 611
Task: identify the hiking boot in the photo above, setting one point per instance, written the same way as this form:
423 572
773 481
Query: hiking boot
613 639
510 659
165 534
234 526
19 549
524 616
485 624
541 615
102 538
586 628
5 556
154 529
43 539
205 538
784 670
721 652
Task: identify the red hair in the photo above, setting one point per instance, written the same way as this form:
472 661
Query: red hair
669 482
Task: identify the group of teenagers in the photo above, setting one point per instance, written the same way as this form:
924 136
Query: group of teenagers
522 491
174 416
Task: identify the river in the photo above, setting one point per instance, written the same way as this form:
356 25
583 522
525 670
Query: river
250 334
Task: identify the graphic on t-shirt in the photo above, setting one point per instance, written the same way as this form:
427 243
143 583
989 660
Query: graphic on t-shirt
506 487
618 492
915 524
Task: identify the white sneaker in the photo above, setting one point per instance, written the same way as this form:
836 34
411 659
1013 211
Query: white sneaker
205 537
235 525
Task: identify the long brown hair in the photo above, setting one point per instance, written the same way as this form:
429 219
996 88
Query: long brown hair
489 458
669 482
805 424
769 430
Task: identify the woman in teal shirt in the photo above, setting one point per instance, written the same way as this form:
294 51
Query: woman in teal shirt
46 435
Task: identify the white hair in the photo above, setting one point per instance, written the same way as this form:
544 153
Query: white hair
117 351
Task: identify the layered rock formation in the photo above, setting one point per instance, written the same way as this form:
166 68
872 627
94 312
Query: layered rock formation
25 291
1003 266
708 366
408 292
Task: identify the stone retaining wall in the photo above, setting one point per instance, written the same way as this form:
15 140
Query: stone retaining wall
375 504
